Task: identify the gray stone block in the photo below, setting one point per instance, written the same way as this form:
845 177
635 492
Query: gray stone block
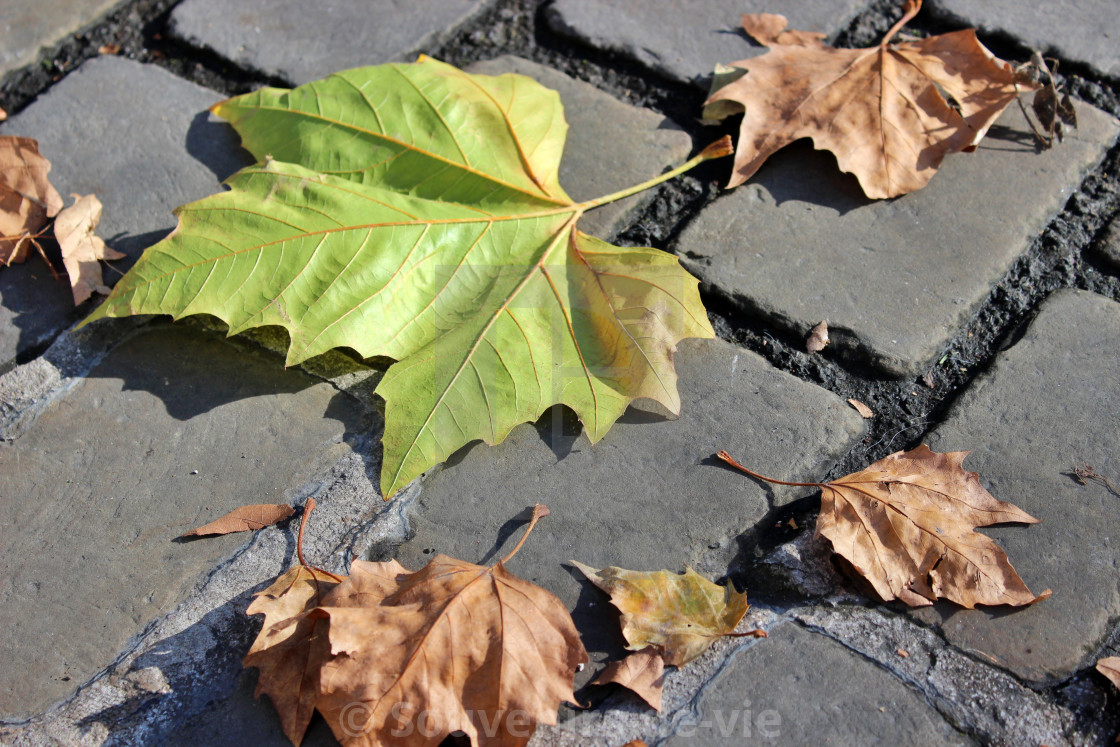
797 687
895 279
172 429
684 41
142 141
1050 403
302 40
648 495
611 145
28 25
1076 30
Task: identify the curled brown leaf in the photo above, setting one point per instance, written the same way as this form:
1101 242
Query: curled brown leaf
245 519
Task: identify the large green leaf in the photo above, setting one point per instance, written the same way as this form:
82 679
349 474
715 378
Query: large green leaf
414 212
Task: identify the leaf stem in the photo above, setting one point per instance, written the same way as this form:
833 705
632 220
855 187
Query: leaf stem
302 524
731 460
718 149
539 511
909 10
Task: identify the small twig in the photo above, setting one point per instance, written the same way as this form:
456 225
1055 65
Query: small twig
1084 473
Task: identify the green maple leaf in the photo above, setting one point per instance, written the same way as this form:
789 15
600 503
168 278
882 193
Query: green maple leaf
413 211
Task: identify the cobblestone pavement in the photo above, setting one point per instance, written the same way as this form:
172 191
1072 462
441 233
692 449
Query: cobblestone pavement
981 313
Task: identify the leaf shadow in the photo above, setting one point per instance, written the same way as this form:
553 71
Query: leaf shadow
215 144
801 173
600 628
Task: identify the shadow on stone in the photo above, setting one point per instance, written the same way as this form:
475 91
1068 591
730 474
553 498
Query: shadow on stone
801 173
193 372
559 429
600 628
215 145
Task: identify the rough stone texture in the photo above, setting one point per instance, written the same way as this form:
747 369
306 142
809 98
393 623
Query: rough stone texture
647 496
795 687
301 40
611 145
1109 247
141 140
172 429
1051 402
1077 30
895 279
684 41
984 702
28 25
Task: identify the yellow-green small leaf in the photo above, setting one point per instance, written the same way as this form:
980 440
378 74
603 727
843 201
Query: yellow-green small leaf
679 613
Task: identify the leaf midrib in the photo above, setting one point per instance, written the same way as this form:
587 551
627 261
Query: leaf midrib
409 147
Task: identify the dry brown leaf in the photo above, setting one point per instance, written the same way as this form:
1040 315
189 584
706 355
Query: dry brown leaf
818 338
635 743
1110 667
81 247
906 524
879 110
864 411
245 519
642 673
3 115
292 644
452 647
109 49
27 199
679 614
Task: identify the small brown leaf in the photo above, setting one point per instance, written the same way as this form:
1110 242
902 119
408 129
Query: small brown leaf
680 614
903 653
245 519
879 110
818 338
27 199
906 524
3 115
109 49
1110 667
642 672
864 411
81 247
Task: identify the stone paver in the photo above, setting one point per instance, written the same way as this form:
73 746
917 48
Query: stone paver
28 25
141 140
1078 30
795 687
648 495
895 279
1050 403
610 145
302 40
684 41
173 428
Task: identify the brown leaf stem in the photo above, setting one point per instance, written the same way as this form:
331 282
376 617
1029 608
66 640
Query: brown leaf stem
303 524
539 512
731 460
908 12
